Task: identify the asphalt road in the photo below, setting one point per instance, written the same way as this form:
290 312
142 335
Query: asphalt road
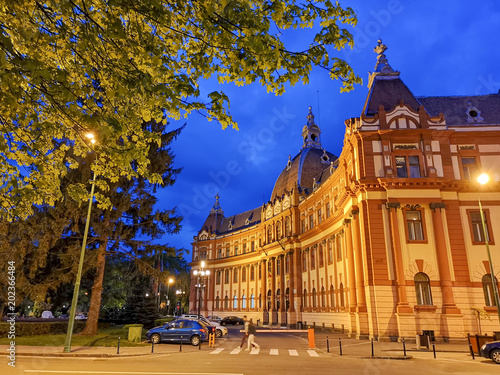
280 353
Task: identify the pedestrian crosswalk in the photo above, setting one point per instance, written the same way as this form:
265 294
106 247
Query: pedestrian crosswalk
289 352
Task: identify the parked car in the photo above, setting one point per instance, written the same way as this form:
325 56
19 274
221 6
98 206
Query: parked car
491 350
185 330
232 320
80 316
214 318
217 328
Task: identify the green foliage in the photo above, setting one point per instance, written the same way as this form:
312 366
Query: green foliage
40 328
70 67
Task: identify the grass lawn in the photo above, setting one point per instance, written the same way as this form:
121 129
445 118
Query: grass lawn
105 337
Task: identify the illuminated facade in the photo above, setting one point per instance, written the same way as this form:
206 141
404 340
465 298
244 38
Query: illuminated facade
385 240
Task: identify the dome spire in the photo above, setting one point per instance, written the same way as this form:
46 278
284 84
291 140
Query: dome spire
311 132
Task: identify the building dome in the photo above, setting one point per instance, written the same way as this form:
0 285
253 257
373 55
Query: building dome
309 167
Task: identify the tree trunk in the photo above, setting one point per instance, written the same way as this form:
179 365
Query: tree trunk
95 298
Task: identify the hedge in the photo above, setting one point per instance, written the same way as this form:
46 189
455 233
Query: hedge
45 328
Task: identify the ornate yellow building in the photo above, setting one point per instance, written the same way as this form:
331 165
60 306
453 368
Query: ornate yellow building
384 241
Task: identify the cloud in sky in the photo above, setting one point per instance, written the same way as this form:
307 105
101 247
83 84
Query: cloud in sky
440 47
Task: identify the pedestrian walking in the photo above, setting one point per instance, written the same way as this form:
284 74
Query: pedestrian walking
245 335
251 336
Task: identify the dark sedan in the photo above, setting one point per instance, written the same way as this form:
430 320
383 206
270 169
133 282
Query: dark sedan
491 350
184 330
231 320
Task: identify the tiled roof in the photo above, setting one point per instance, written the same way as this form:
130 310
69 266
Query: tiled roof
240 221
388 93
456 108
305 166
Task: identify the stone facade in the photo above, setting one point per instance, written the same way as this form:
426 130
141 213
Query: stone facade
383 241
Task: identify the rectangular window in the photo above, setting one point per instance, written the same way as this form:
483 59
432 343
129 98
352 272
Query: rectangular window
287 264
328 210
339 247
219 253
236 250
228 252
311 221
469 168
244 248
278 266
304 261
252 273
330 252
303 226
477 226
313 260
235 275
403 165
244 274
414 225
319 216
252 246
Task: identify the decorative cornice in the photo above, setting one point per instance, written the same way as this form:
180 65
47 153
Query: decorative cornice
434 206
394 205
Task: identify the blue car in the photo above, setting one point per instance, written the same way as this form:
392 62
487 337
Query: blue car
178 330
491 350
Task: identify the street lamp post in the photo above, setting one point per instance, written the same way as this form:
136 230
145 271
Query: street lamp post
201 276
170 281
179 294
483 179
71 321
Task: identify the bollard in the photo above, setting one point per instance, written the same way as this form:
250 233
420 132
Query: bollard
152 346
118 347
310 336
373 353
340 345
199 345
404 347
180 349
327 345
471 351
434 349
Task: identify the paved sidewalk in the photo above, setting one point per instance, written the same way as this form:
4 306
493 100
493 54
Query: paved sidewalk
325 342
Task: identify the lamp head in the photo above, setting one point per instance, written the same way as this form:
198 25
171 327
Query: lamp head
195 272
483 178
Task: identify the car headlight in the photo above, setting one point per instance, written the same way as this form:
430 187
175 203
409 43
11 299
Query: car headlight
483 347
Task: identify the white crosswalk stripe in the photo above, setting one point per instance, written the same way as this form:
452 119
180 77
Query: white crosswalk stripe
254 351
312 353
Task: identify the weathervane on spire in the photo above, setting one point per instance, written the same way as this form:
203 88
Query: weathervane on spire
380 49
310 117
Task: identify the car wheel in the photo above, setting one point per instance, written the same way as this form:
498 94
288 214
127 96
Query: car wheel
218 333
155 338
195 340
495 355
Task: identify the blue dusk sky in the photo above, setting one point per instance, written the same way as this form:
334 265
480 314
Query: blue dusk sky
441 48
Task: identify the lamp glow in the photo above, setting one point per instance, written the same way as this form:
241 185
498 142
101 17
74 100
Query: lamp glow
483 178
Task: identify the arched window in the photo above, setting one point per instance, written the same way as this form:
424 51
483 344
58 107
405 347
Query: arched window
278 230
252 302
235 302
332 296
269 296
423 289
489 299
314 297
269 233
341 292
260 301
226 302
304 302
243 302
278 292
323 297
217 301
